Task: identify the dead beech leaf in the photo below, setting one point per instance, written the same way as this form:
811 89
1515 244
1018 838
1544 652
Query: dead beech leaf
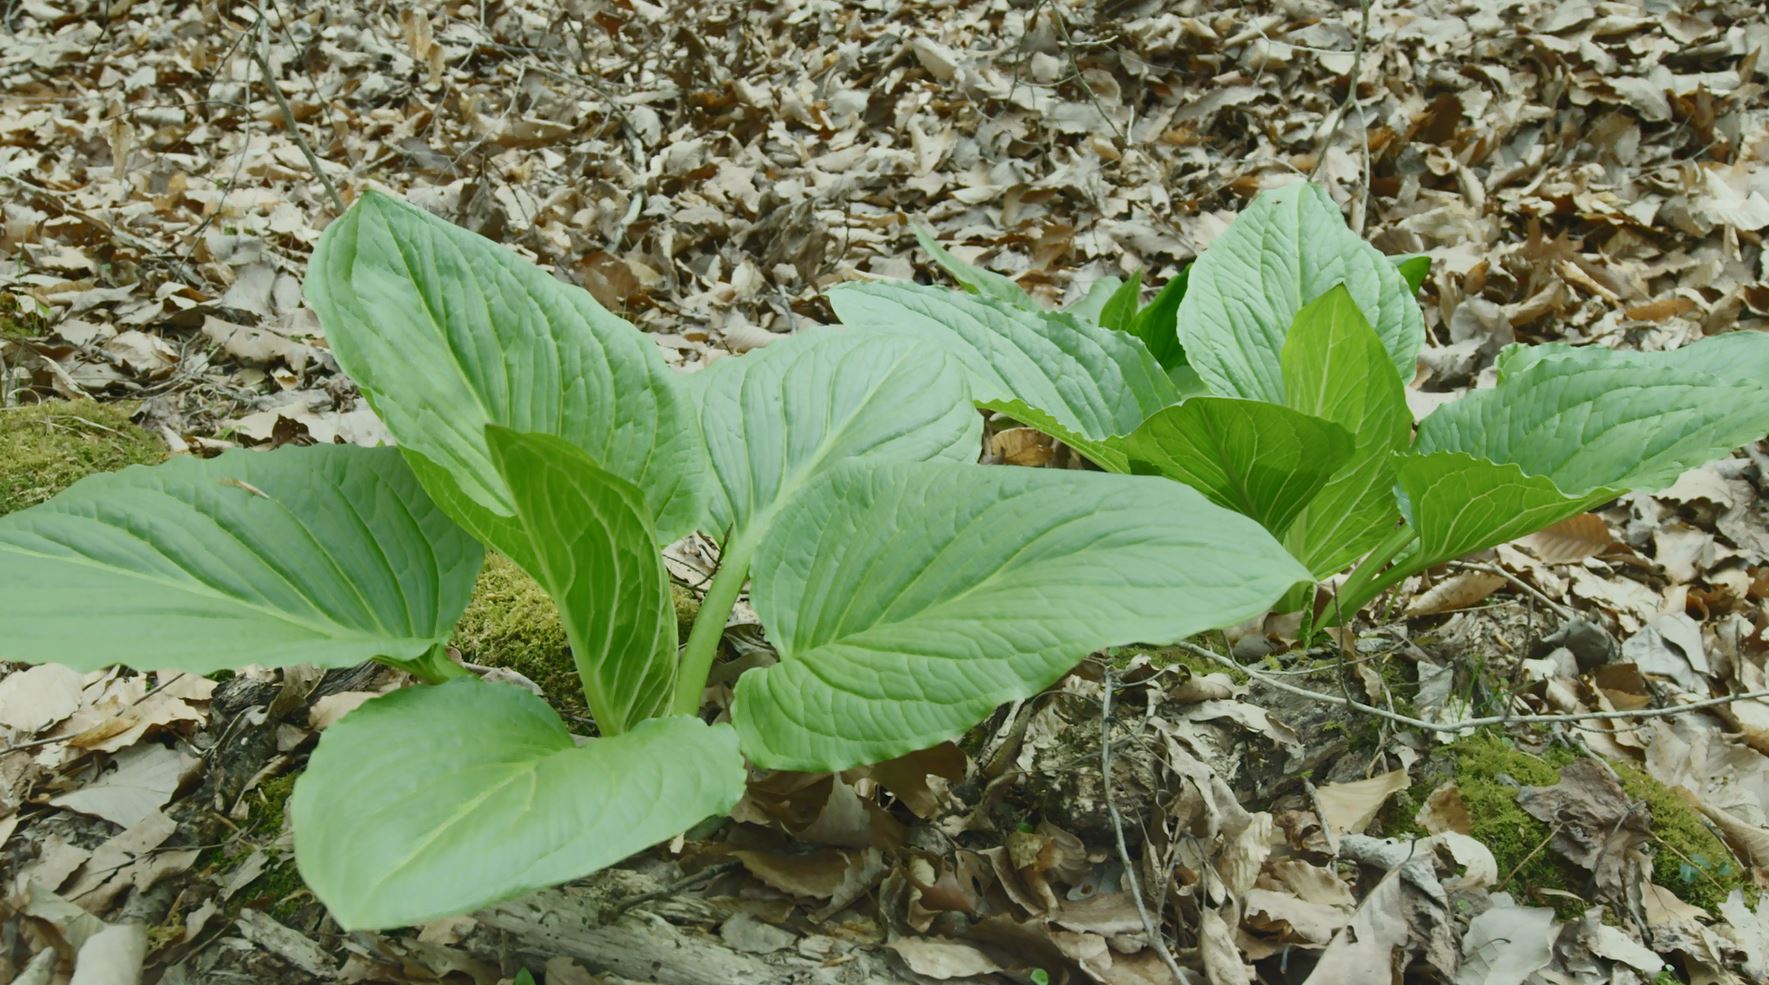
1444 811
943 959
144 780
332 707
1350 807
1572 539
37 697
919 778
1023 446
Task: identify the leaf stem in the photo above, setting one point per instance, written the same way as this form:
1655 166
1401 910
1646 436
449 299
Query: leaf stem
709 627
434 667
1369 580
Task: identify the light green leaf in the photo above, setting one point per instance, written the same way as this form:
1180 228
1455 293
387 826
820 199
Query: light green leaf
1157 325
1459 504
328 555
1288 248
1120 308
908 600
1258 459
447 332
1091 306
433 801
974 278
596 554
1414 268
1577 427
778 416
1335 369
1081 379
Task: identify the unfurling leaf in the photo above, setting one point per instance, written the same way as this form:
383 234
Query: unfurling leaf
1334 368
1258 459
596 553
433 801
328 555
1157 325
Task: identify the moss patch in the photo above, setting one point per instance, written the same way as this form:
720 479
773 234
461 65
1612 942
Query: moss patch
511 622
278 889
46 447
1691 860
1488 770
21 319
1162 657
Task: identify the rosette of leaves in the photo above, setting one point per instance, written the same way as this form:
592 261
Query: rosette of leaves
1286 348
906 589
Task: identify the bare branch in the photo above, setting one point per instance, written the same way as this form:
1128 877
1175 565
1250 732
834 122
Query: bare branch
1156 941
262 54
1470 724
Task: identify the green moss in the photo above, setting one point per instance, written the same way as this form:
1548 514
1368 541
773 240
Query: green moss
279 887
1488 770
265 806
46 447
21 319
1162 657
511 622
1691 860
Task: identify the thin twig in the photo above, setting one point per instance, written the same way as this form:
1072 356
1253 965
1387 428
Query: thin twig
262 52
1518 583
1357 70
1156 941
1470 724
1552 831
687 882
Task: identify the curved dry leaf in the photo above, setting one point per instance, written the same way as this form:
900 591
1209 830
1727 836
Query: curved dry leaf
1459 591
1350 807
1572 539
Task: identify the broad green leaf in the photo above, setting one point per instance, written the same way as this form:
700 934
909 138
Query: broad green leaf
596 554
907 600
1289 247
1082 379
1258 459
1414 268
1091 306
447 332
1459 504
778 416
1335 369
1584 424
1157 324
433 801
328 555
1120 308
974 278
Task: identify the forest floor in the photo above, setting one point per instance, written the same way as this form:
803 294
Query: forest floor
1583 172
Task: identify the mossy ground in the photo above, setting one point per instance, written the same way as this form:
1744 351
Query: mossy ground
278 889
21 319
1489 770
46 447
1162 657
512 623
